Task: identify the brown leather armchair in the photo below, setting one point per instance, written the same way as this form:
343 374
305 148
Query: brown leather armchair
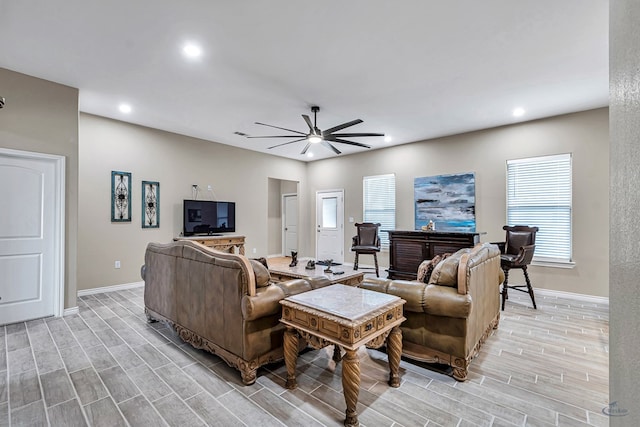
366 242
451 315
517 252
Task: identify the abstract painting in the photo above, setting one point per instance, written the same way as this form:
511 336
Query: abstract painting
447 200
150 204
120 196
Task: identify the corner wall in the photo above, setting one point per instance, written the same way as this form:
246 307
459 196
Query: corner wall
176 162
42 116
624 256
585 135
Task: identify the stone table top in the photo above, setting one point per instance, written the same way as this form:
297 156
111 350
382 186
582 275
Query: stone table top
344 301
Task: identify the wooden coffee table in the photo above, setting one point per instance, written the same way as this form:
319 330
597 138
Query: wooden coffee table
347 317
281 272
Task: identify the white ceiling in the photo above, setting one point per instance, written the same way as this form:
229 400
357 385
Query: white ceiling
412 69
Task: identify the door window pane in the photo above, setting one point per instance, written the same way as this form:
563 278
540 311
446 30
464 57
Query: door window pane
329 212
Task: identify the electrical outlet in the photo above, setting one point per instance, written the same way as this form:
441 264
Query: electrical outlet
117 265
254 250
209 188
350 219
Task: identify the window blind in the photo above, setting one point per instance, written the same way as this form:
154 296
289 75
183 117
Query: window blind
379 204
539 194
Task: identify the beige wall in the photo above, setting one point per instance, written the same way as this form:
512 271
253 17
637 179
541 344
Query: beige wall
277 188
585 135
42 116
176 162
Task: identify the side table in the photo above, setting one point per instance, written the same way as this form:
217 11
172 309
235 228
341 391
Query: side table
347 317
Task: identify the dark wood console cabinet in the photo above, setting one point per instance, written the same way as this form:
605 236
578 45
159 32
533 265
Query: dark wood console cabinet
407 249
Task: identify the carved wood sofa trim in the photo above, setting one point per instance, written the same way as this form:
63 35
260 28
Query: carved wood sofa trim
459 365
248 368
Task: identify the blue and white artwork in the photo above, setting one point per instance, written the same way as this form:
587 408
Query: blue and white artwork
447 200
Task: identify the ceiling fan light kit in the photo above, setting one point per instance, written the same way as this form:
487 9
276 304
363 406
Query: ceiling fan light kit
315 135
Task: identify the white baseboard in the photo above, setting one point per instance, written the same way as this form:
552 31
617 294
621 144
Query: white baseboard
70 311
571 295
110 288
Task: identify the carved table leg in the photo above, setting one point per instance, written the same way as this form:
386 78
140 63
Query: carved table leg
337 356
351 386
394 350
291 356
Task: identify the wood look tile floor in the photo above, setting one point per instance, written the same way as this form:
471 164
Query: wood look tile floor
107 367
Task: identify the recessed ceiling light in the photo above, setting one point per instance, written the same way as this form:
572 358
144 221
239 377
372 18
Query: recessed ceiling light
191 50
309 154
518 112
387 138
125 108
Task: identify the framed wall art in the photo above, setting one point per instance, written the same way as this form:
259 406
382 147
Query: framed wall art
449 201
150 204
120 196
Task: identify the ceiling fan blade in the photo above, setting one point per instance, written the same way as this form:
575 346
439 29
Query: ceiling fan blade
342 126
326 144
273 136
277 127
344 141
308 120
285 143
354 135
306 147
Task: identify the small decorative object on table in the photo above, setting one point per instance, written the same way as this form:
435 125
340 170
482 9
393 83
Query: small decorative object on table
311 265
431 226
328 263
294 259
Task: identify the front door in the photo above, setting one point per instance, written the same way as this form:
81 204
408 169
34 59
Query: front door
290 223
330 225
31 251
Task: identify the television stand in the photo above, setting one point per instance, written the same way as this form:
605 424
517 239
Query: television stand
219 242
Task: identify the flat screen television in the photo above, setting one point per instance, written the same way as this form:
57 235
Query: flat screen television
208 217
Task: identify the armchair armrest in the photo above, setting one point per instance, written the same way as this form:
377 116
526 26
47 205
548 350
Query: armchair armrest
266 301
445 301
375 284
411 291
525 255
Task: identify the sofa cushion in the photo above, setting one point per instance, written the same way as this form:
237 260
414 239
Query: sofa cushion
446 272
262 274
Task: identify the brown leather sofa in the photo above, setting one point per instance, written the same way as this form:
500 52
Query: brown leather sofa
220 302
451 316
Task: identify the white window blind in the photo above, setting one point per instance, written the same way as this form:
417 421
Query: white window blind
539 194
379 193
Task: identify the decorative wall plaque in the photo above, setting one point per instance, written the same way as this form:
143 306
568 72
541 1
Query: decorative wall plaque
120 196
150 204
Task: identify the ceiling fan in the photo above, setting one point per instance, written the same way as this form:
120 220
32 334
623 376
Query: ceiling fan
315 135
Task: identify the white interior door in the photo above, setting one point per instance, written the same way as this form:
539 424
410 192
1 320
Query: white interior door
31 239
290 223
330 225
